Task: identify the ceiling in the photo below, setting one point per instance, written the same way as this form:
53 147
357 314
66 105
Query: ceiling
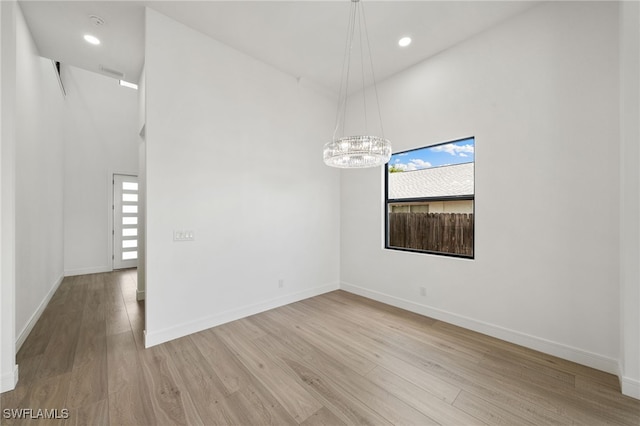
302 38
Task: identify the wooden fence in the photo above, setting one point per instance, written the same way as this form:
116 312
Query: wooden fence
441 232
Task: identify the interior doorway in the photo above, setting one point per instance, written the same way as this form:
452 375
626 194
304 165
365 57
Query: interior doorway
125 221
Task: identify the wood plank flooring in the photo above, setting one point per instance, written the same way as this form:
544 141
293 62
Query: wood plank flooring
334 359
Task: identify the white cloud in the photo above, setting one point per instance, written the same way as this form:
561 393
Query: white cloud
413 164
462 154
454 149
420 164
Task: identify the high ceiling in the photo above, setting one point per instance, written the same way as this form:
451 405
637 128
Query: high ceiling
302 38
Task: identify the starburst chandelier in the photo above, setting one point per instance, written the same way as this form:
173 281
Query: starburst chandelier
357 151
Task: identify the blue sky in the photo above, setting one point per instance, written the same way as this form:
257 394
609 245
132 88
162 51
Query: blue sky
462 151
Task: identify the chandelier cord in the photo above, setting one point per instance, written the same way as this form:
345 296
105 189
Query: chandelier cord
361 150
344 82
364 96
352 30
375 86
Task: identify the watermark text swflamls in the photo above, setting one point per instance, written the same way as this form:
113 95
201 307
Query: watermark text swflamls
35 413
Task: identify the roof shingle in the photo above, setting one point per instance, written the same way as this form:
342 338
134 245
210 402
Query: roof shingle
454 180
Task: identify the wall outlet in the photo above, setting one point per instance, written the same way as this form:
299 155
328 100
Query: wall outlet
183 235
423 291
280 283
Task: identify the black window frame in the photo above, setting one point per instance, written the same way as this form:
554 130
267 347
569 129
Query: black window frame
388 201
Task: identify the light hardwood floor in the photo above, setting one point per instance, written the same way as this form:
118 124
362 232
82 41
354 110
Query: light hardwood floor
330 360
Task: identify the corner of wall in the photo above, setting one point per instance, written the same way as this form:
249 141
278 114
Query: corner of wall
24 333
139 294
8 367
629 199
9 380
629 386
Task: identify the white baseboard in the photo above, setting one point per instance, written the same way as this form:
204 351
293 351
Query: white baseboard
9 381
630 387
139 295
560 350
24 333
87 271
184 329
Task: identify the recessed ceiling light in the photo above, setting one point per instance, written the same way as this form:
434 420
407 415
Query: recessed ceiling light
404 41
91 39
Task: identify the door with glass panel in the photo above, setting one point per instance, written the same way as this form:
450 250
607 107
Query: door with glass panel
125 221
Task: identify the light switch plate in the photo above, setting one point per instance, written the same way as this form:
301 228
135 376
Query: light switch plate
183 235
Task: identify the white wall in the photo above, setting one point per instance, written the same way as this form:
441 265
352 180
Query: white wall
142 191
39 181
8 367
233 154
101 138
541 98
630 198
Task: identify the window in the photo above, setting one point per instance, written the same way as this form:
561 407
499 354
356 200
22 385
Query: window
429 199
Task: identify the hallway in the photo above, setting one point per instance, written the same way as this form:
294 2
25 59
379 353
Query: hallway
63 362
